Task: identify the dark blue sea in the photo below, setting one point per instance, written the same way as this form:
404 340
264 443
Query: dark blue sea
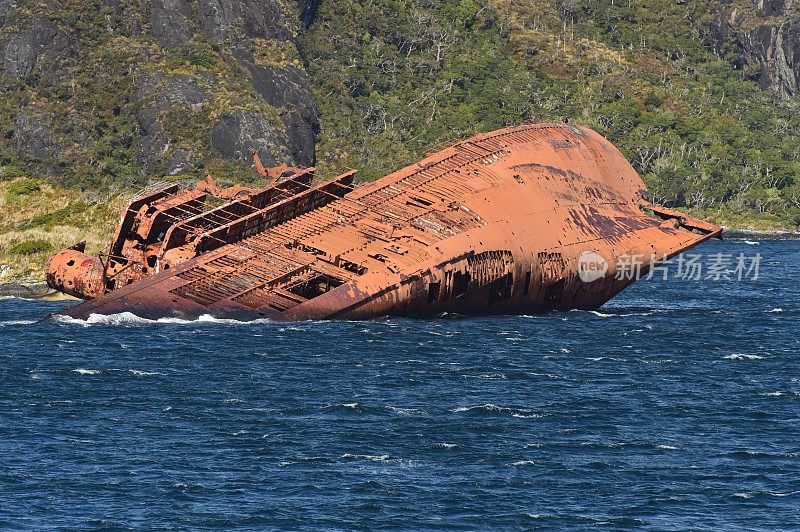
676 406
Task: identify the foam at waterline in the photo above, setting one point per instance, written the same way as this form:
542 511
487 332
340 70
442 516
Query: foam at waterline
620 314
129 318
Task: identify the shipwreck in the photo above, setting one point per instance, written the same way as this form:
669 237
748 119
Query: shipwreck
496 224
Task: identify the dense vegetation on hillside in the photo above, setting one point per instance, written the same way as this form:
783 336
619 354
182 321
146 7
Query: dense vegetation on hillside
397 78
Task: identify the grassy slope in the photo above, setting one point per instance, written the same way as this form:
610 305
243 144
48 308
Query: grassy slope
36 223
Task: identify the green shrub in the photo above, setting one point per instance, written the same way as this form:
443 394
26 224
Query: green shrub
21 187
31 247
59 216
9 173
195 54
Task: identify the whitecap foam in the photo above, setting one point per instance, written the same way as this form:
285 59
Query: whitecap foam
786 494
443 445
667 447
548 375
16 322
524 463
370 457
776 310
621 314
404 411
83 371
743 356
140 373
489 407
751 242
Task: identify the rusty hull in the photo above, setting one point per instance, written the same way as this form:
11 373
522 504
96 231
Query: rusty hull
491 225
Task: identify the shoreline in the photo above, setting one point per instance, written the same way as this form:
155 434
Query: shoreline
752 234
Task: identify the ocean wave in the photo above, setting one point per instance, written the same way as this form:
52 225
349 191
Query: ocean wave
667 447
347 407
490 408
548 375
140 373
129 319
370 457
442 445
743 356
83 371
16 322
622 314
404 411
775 310
526 416
488 376
524 463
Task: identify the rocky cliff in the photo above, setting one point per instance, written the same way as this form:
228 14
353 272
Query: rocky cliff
762 38
118 90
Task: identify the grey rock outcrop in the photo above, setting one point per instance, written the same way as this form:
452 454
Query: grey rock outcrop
157 93
170 22
235 135
764 39
226 21
23 49
288 90
6 7
32 138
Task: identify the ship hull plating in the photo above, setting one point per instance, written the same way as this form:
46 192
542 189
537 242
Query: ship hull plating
527 219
